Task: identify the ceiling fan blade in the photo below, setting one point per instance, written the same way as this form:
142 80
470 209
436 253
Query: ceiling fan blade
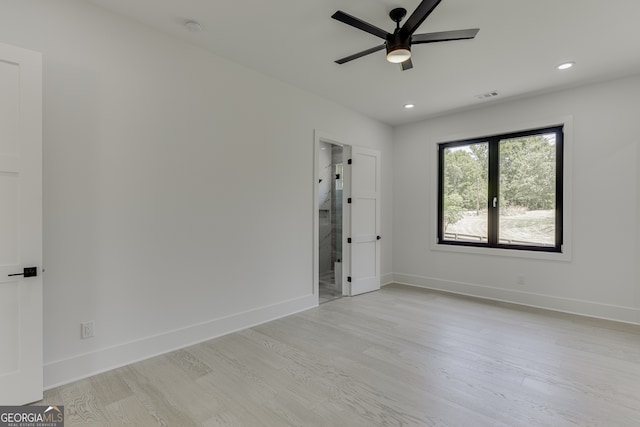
444 36
407 65
359 24
360 54
418 16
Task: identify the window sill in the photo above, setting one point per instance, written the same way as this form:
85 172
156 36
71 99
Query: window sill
564 256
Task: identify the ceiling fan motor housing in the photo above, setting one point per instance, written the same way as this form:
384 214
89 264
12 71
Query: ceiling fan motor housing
398 42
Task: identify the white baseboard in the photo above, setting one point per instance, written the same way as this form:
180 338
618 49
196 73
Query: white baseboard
386 279
85 365
549 302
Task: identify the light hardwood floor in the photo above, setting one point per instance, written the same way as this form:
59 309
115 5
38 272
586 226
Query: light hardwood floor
398 357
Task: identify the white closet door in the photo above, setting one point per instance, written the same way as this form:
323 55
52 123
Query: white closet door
365 220
21 379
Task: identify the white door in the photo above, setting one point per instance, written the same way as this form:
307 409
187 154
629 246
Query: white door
365 220
20 225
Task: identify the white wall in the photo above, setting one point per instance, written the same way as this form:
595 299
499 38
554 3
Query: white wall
602 277
177 187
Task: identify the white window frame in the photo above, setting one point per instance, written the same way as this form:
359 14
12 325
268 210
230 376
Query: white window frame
567 207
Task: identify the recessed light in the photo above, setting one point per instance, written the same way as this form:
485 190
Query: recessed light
566 65
193 26
409 106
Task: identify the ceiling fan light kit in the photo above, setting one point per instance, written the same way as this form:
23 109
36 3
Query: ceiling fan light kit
398 44
398 55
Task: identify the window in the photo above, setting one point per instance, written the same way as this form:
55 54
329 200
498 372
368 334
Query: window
502 191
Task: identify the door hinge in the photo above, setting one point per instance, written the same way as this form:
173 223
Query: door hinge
349 279
348 239
349 200
350 161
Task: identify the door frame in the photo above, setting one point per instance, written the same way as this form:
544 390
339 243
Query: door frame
319 137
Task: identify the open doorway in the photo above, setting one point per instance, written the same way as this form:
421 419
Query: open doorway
330 215
346 219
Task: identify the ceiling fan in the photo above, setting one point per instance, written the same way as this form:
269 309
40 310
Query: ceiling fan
398 43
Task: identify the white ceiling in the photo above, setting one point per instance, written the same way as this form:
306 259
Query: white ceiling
519 44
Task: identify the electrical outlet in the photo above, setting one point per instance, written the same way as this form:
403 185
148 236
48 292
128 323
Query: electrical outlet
521 280
87 330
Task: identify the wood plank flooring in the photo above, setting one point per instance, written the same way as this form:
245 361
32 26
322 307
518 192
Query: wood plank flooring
398 357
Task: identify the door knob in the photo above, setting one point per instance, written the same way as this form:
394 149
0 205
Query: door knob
27 272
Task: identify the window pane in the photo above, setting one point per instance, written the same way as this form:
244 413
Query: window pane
527 190
464 195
